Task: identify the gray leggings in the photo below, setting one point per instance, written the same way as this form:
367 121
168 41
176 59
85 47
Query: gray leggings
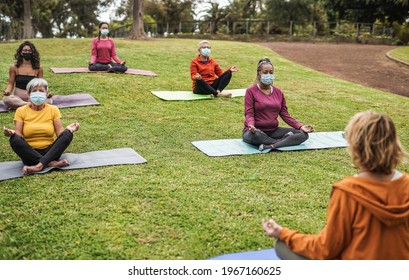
281 137
285 253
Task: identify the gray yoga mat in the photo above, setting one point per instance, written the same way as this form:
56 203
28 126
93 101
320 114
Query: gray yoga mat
229 147
189 95
66 101
131 71
13 169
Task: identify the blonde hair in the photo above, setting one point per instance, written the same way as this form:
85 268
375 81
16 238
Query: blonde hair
201 43
373 142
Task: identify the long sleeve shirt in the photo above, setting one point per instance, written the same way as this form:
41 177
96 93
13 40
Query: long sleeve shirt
366 219
103 51
262 110
209 70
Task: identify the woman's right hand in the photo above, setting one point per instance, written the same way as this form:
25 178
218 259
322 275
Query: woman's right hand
6 93
8 132
252 128
198 77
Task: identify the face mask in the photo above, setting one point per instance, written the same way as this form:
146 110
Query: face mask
267 79
37 97
104 32
27 56
206 52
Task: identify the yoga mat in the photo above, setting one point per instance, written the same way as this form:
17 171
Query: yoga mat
66 101
131 71
188 95
229 147
226 147
13 169
267 254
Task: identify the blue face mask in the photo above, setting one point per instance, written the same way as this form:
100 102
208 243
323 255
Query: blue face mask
37 97
104 32
267 79
206 52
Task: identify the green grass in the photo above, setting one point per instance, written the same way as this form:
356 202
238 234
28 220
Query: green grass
181 204
401 53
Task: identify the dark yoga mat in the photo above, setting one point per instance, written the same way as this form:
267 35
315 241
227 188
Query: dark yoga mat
66 101
13 169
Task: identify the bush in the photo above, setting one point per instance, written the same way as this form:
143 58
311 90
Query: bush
401 33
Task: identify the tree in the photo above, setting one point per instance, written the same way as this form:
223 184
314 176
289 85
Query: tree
28 26
137 31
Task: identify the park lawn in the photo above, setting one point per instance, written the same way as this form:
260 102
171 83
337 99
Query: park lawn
181 204
401 53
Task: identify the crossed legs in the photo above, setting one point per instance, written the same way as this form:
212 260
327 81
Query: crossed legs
35 160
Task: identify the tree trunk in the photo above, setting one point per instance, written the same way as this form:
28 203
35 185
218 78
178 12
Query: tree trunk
28 27
137 31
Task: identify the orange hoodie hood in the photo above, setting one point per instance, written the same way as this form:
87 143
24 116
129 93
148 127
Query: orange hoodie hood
387 201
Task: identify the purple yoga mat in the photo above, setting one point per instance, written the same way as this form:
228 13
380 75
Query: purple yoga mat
66 101
86 70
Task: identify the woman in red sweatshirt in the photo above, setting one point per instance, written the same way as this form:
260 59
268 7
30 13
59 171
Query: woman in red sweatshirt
206 74
368 213
103 53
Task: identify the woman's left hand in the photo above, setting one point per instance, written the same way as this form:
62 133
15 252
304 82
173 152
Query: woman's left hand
233 69
271 228
73 127
123 62
307 128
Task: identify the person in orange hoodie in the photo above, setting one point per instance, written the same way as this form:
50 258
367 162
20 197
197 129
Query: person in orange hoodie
368 213
206 74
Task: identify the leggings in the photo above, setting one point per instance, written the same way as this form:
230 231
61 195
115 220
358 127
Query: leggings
285 253
110 67
202 87
281 137
31 156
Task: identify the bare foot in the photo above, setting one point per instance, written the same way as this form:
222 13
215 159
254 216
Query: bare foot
59 163
31 169
226 95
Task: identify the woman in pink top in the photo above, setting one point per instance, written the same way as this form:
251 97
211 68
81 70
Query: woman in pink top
103 54
263 104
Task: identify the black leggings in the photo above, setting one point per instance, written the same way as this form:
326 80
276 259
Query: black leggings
110 67
201 87
281 137
31 156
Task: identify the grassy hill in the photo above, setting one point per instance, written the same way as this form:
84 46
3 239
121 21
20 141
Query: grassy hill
182 204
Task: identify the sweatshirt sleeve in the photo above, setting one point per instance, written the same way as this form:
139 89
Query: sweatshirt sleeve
93 51
193 70
331 241
114 56
217 70
285 115
249 108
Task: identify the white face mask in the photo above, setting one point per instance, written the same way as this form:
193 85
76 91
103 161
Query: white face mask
37 97
267 79
104 32
205 51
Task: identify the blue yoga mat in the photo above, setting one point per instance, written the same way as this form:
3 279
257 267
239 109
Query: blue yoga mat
230 147
267 254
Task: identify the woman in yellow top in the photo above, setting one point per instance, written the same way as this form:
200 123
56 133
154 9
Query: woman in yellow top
368 213
35 125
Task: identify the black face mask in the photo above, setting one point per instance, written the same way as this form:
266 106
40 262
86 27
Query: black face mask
27 56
